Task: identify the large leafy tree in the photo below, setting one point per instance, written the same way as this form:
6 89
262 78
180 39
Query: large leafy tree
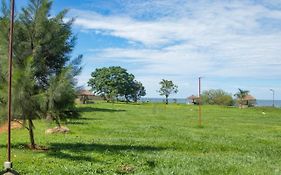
167 88
115 81
137 90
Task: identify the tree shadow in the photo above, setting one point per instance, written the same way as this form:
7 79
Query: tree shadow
80 151
76 123
92 109
70 156
81 121
89 119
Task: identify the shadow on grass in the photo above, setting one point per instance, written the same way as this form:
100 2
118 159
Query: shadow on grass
76 123
92 109
80 151
88 119
82 121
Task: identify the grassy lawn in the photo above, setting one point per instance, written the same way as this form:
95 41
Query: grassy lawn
155 139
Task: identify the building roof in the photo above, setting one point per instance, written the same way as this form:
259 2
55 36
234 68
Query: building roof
85 92
192 97
249 97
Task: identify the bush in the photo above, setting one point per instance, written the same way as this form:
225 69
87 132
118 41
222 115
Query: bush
217 97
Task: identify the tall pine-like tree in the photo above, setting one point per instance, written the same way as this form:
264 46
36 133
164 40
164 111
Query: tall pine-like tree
42 54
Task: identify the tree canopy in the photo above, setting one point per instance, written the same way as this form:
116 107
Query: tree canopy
114 82
167 88
49 40
241 93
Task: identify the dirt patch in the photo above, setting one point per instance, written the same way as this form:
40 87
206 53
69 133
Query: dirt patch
37 148
125 169
14 125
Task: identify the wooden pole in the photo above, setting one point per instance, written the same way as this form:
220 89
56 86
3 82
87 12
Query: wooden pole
12 10
200 103
273 94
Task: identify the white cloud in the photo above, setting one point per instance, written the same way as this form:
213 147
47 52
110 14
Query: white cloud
188 39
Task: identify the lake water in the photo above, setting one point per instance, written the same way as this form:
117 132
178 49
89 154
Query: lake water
184 101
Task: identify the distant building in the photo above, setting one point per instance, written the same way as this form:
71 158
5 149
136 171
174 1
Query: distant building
85 95
248 101
84 92
193 99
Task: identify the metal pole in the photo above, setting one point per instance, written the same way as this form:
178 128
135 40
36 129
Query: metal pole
273 99
200 103
273 94
8 164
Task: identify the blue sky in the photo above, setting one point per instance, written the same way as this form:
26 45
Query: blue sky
232 43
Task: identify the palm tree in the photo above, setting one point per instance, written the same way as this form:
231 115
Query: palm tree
241 94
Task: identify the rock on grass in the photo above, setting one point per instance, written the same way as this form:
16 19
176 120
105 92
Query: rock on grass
57 129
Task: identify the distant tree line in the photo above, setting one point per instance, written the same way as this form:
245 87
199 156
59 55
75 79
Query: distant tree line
220 97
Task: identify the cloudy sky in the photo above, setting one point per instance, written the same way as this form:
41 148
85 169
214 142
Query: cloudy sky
231 43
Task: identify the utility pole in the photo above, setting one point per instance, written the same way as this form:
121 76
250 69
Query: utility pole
200 103
8 163
273 94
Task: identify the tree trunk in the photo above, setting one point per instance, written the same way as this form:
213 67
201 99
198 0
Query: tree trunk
31 133
167 99
83 99
57 121
135 99
127 98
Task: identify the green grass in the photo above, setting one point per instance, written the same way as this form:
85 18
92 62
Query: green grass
155 139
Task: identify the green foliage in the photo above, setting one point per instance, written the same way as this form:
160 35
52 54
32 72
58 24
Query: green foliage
5 11
48 39
25 98
60 96
167 88
44 75
136 91
155 139
4 26
217 97
241 94
114 82
25 102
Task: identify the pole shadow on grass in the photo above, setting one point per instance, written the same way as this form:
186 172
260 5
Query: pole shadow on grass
80 151
93 109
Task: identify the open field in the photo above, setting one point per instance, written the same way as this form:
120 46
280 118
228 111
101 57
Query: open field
155 139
